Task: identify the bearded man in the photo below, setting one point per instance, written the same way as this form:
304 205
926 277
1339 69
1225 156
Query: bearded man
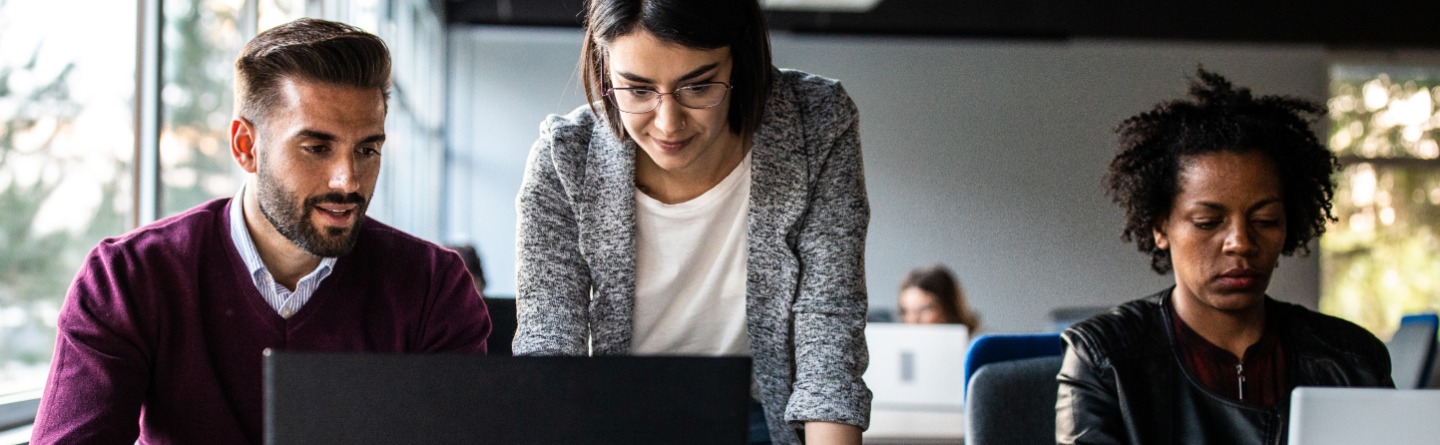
162 332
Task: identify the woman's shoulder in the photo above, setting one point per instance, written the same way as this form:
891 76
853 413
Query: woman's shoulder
1122 328
815 95
810 116
574 128
806 81
566 140
1326 329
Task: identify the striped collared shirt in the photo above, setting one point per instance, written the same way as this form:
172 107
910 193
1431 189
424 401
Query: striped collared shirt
285 301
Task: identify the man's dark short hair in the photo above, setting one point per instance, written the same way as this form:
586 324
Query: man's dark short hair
1144 177
311 50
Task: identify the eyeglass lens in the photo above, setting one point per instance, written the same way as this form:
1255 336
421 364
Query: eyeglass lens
641 100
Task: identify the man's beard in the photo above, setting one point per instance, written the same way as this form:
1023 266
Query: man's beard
277 204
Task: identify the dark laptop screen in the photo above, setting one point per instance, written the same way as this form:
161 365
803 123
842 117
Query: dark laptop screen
356 398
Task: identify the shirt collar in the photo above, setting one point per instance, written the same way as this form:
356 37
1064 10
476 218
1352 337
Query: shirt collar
240 234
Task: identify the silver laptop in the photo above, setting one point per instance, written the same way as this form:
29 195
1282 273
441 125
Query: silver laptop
1348 416
917 367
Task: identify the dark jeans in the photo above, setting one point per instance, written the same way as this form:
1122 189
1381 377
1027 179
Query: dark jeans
759 429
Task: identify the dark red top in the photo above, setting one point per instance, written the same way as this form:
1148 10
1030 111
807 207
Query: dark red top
1260 379
162 331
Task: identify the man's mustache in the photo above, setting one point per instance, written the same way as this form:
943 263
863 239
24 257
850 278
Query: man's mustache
336 198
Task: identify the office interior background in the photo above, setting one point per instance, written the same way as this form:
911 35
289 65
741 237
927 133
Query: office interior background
986 129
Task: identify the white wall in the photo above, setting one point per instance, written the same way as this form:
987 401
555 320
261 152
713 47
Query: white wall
984 155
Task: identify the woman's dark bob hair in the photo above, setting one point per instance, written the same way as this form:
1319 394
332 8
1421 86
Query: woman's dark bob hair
701 24
1144 177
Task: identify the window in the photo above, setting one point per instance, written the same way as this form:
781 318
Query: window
1381 260
274 13
201 40
67 145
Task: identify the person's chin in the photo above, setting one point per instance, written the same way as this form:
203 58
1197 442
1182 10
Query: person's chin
334 232
1237 300
672 163
334 244
672 158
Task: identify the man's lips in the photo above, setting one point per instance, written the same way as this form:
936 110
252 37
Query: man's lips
338 209
336 214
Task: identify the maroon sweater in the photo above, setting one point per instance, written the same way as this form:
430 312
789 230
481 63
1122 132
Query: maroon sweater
162 331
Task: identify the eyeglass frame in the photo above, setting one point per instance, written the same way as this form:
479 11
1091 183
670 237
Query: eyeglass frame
610 94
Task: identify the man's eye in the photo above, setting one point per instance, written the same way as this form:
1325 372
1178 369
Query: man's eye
314 148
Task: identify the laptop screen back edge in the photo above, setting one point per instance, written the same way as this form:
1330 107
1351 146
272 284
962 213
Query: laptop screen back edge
452 398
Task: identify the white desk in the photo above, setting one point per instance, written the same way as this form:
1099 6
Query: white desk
895 427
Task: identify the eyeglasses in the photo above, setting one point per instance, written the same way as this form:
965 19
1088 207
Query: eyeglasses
641 100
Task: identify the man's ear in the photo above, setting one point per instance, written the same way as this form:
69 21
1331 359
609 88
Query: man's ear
242 143
1162 241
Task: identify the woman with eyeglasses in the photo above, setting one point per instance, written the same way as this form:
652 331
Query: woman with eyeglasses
703 203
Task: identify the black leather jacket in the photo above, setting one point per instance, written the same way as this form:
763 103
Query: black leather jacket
1123 381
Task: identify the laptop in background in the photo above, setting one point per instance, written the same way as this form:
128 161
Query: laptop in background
358 398
917 367
1335 416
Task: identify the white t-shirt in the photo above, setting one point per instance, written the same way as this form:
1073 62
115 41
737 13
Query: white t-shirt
690 264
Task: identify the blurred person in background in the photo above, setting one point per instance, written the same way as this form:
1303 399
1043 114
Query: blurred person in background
472 264
932 295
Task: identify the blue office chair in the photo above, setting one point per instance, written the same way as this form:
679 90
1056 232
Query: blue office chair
1010 389
1412 350
991 348
1013 402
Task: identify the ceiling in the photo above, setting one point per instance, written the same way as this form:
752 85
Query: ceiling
1382 24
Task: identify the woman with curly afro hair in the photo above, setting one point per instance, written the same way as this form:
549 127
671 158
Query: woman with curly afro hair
1215 188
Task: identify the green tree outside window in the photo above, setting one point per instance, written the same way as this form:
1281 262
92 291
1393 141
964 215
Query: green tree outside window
1381 260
